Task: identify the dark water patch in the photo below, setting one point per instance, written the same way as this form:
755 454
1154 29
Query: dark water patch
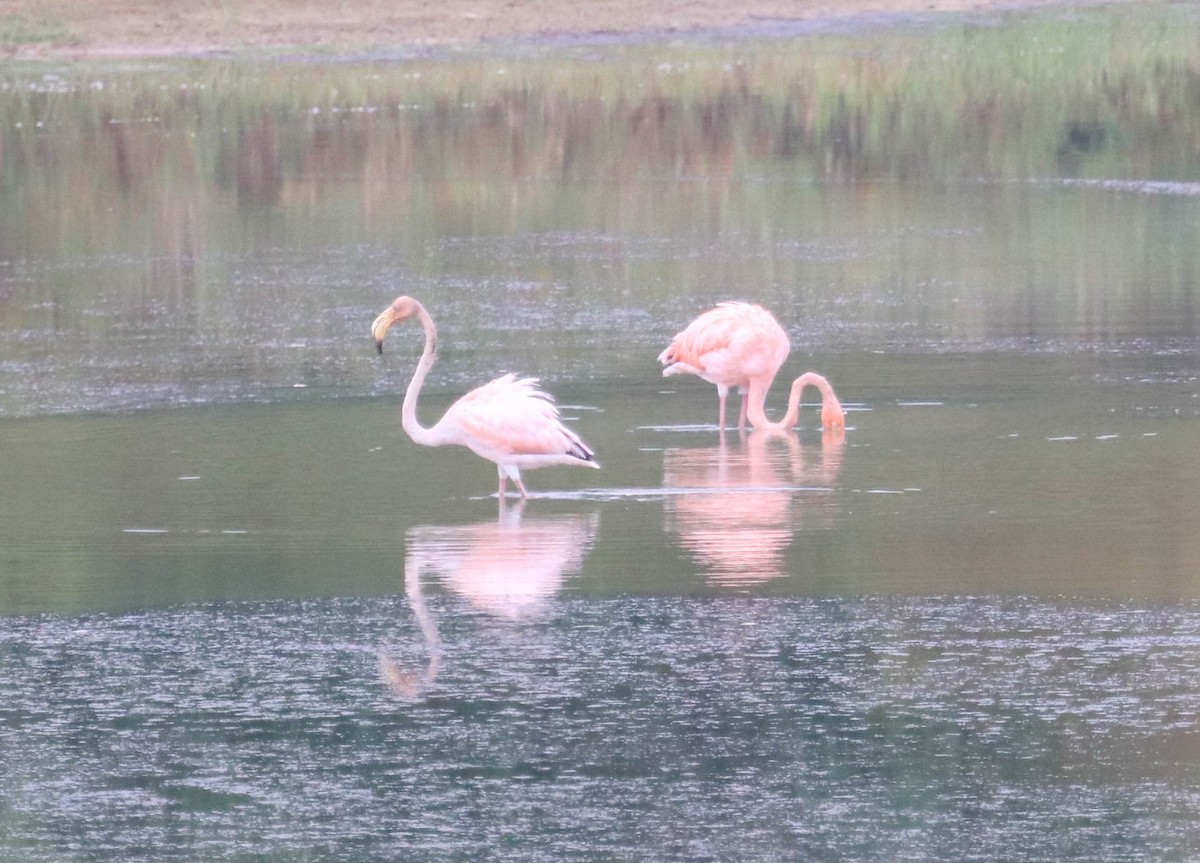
968 727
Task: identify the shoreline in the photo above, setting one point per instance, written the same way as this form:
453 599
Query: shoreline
63 30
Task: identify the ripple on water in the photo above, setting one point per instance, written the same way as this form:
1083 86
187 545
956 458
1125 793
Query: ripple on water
657 728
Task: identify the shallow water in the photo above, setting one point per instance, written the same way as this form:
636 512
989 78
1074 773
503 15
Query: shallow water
241 614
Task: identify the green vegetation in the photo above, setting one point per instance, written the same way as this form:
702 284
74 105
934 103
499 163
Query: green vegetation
1044 93
19 29
164 161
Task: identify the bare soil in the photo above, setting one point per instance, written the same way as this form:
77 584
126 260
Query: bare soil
80 29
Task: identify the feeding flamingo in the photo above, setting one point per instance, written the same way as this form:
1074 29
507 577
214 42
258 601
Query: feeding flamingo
737 344
509 421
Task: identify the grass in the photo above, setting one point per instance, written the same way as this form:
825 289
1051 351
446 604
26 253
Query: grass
22 29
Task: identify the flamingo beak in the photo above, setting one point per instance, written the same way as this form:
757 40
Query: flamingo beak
832 417
380 327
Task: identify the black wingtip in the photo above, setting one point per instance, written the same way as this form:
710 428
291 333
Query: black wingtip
581 452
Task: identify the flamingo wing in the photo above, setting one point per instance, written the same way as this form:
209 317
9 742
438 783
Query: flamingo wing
511 417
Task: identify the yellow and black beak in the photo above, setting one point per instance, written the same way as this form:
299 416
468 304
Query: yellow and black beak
379 329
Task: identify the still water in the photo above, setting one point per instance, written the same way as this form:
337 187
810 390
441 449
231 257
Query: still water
241 615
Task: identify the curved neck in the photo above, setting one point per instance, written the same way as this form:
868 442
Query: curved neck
408 412
757 397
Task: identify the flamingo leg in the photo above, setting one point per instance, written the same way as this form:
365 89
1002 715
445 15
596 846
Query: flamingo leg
742 414
515 475
722 397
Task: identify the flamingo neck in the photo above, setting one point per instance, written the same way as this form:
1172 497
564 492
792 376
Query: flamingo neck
756 399
831 409
408 411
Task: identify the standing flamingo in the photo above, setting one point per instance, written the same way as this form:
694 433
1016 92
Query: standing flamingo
508 421
735 344
741 345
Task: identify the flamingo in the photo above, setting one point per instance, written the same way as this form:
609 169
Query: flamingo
509 421
737 344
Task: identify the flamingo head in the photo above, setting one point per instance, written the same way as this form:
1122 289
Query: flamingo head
832 415
403 307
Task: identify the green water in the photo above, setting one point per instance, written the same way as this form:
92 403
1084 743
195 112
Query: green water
241 614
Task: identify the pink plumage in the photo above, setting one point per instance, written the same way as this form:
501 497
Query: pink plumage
509 421
737 344
734 344
511 418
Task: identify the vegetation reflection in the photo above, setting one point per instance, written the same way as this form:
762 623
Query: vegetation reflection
159 221
90 156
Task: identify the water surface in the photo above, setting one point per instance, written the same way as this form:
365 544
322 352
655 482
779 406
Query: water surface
659 727
241 612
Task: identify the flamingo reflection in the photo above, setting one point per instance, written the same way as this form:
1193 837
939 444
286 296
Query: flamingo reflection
508 568
734 509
